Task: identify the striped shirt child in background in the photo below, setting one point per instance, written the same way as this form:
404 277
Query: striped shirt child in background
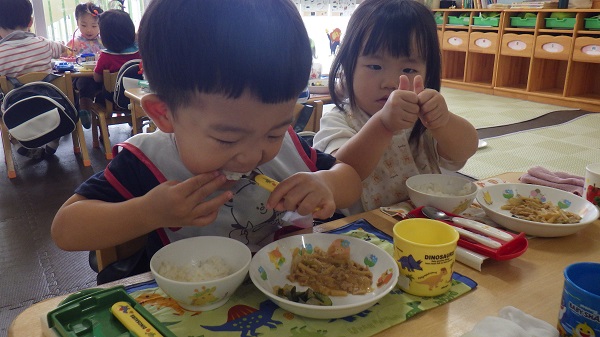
22 52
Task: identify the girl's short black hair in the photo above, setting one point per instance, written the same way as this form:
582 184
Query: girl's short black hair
89 8
390 26
224 47
117 30
15 14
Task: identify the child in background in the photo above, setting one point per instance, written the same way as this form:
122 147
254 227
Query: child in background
118 34
390 121
88 41
223 108
23 52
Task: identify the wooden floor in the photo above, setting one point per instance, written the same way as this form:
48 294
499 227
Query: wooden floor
32 268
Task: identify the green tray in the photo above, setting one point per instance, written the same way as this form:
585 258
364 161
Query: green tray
439 19
566 23
87 314
491 22
516 21
458 20
592 23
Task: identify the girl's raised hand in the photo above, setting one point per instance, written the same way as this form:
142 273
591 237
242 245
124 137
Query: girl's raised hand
433 109
180 204
401 109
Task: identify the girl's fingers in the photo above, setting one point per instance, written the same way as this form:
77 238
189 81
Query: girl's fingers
418 84
404 83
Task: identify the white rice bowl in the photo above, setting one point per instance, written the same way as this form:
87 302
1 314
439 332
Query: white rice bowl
221 262
450 193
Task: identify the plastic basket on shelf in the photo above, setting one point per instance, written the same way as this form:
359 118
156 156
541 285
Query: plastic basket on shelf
458 20
566 23
490 22
592 23
516 21
439 19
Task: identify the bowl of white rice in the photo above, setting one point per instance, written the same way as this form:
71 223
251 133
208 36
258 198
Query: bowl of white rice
449 193
201 273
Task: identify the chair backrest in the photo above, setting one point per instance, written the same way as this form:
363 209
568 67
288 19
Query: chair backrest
64 83
110 79
312 109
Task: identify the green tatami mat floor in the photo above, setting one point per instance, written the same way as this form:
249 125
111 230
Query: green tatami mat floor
567 147
484 111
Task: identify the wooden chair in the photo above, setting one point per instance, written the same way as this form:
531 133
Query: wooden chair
108 114
106 256
65 84
313 122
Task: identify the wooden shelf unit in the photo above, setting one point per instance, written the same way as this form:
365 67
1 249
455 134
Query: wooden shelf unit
554 66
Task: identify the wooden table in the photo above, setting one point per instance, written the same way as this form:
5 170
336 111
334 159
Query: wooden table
135 96
532 282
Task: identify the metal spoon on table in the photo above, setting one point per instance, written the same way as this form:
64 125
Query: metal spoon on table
434 213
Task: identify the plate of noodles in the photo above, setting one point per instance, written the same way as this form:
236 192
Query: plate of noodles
535 209
350 274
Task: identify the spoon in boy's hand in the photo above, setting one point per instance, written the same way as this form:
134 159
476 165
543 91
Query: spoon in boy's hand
265 182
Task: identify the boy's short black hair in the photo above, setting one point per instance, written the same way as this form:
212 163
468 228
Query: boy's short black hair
224 47
89 8
117 30
15 14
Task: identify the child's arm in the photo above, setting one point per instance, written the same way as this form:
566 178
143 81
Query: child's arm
98 77
84 224
319 193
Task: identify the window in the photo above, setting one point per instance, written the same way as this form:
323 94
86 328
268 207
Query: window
55 19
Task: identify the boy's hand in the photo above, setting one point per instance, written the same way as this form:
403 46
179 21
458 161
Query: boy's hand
401 110
180 204
433 109
304 193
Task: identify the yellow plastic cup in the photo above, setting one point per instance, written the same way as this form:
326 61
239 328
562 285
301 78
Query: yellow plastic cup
425 252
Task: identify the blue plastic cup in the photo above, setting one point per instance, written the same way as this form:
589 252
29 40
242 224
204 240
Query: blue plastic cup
579 313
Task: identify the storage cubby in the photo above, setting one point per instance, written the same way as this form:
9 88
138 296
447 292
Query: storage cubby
480 69
453 65
535 56
583 81
517 77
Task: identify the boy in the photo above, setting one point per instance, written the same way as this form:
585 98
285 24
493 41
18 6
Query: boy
22 52
223 104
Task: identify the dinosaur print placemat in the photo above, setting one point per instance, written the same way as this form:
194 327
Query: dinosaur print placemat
250 313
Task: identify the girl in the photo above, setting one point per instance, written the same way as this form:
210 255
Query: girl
88 41
385 123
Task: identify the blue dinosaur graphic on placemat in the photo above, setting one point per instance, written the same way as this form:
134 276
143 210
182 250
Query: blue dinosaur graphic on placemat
246 319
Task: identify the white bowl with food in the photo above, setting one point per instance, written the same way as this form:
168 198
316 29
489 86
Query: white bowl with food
88 65
536 210
450 193
318 85
372 271
201 273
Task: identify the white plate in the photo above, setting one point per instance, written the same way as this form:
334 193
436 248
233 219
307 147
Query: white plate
492 198
271 265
